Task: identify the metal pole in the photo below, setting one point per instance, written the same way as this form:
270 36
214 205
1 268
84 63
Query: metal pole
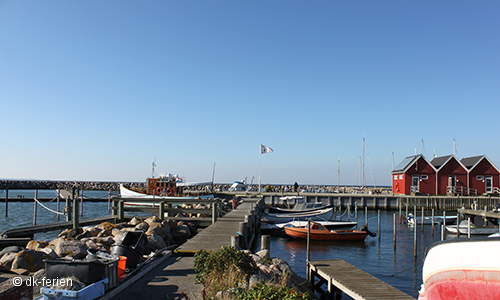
81 204
366 216
394 229
379 225
109 200
422 219
58 205
35 208
415 240
432 220
444 226
308 240
6 203
468 227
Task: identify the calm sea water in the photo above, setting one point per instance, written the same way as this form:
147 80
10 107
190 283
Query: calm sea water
395 265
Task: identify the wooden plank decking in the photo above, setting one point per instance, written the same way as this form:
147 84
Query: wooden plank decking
219 234
352 281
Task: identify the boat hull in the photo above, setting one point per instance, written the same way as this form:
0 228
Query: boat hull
278 210
462 270
325 235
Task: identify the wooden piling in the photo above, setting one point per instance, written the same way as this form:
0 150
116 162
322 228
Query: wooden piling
68 209
76 214
161 211
265 242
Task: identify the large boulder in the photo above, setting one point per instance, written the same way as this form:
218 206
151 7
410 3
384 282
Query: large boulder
158 229
152 219
135 221
107 225
36 245
30 260
74 248
7 259
10 249
142 226
156 241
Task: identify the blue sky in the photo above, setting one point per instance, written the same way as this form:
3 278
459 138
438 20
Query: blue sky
96 90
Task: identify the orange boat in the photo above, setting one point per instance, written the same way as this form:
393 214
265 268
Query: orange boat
318 232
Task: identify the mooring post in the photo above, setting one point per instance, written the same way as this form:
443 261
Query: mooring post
214 212
81 204
76 214
68 209
58 205
243 230
265 242
35 208
121 210
422 219
379 225
394 231
161 211
235 242
366 216
6 203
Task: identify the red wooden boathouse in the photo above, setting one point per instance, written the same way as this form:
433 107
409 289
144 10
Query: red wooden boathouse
446 175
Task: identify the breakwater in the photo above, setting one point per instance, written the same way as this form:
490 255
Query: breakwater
59 185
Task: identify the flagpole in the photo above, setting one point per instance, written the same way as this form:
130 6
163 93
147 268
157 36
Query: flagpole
260 158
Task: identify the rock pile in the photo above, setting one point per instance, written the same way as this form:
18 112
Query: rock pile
76 243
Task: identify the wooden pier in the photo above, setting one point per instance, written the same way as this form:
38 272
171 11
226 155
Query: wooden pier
340 275
237 228
29 231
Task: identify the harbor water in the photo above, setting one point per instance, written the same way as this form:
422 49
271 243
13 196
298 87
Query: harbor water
390 260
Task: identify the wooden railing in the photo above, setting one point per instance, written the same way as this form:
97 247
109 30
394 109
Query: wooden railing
460 190
169 208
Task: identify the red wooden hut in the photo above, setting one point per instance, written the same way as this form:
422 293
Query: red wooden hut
484 176
414 175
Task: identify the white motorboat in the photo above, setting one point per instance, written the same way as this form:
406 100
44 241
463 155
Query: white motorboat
473 229
321 214
300 205
463 269
429 220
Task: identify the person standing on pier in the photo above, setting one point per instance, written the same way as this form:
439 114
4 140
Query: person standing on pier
296 188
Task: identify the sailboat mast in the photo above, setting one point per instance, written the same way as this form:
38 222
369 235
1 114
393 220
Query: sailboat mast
363 165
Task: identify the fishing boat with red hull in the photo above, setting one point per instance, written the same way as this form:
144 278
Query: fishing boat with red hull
319 232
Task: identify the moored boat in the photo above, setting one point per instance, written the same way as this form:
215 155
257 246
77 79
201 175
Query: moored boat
473 230
463 269
429 220
321 233
317 215
300 205
165 187
279 228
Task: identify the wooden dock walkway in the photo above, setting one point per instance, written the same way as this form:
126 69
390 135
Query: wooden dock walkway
29 231
224 231
357 284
